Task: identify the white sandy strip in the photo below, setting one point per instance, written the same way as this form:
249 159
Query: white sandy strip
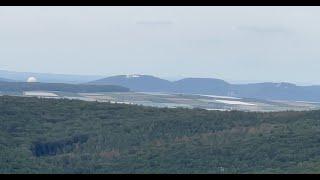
235 102
214 96
39 93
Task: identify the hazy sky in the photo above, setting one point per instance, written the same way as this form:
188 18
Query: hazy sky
232 43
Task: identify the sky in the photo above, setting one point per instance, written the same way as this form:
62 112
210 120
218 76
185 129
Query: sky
238 44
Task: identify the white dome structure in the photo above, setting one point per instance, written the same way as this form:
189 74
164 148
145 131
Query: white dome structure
32 80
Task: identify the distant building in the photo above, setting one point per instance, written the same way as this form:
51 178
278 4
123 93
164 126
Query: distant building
32 80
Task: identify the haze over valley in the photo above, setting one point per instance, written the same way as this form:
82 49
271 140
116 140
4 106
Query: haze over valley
159 89
146 90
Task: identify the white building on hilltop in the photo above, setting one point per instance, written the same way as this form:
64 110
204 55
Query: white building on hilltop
32 80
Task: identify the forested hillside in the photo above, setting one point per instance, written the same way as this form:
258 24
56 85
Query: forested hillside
71 136
76 88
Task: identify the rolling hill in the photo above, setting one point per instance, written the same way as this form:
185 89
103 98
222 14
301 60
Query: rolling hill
137 82
201 86
211 86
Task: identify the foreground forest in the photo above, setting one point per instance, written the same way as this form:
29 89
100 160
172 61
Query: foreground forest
72 136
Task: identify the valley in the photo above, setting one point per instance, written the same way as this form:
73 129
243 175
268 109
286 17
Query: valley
177 100
191 93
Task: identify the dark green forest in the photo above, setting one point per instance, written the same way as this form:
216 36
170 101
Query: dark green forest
72 136
76 88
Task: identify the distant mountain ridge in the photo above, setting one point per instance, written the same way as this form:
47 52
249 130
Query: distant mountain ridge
201 86
212 86
137 82
6 80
